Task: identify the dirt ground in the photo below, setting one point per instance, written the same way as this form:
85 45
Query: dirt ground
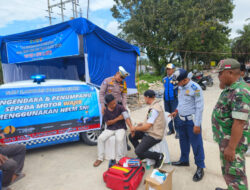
69 166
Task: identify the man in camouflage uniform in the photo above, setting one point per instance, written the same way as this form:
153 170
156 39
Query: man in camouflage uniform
230 124
115 85
244 77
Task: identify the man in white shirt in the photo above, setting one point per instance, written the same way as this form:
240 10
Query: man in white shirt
150 132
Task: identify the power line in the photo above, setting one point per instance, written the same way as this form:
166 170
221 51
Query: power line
198 52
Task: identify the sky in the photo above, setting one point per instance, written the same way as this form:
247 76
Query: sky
23 15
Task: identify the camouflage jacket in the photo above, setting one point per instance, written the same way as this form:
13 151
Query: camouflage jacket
233 104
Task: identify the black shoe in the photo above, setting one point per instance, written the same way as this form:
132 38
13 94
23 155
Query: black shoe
180 163
177 136
128 147
218 188
170 132
198 174
160 161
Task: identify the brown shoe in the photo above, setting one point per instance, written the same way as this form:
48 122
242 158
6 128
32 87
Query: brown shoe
97 163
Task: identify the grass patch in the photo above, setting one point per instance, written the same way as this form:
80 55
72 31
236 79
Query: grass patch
149 79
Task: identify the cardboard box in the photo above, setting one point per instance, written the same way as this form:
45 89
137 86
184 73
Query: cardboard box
166 185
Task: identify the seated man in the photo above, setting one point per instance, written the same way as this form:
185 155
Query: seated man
114 116
151 131
11 162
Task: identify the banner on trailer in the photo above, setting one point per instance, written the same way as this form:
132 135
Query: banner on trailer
61 44
38 112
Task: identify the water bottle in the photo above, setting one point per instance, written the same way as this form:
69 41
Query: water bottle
148 164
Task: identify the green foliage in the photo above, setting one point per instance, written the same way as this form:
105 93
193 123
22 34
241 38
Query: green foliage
165 28
198 67
177 64
241 45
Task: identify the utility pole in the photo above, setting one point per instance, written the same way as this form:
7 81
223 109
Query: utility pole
73 8
88 10
49 11
62 10
76 4
80 12
61 5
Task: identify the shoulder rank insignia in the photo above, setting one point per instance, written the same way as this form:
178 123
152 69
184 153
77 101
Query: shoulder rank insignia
194 87
124 87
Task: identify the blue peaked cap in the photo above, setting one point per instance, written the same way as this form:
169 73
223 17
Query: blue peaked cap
180 74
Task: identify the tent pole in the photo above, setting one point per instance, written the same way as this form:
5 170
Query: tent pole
86 65
137 70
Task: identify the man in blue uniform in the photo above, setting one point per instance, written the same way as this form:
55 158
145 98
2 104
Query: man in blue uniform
171 99
190 110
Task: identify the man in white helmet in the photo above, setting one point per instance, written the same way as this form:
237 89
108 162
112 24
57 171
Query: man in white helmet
117 86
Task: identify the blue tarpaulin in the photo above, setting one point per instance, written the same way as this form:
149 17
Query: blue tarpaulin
50 47
58 52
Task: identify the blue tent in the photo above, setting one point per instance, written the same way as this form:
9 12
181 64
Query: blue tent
76 49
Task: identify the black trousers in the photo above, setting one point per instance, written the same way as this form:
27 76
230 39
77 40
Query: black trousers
142 148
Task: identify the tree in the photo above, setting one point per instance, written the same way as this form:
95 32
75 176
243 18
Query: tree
206 30
166 28
143 21
241 45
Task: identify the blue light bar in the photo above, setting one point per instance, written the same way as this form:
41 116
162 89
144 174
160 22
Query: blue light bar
38 78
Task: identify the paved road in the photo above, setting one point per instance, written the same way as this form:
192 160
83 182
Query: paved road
69 166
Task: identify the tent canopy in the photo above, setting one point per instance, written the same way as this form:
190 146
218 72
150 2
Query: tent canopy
74 50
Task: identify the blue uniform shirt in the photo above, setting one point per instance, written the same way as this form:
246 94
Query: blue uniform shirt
171 91
191 101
